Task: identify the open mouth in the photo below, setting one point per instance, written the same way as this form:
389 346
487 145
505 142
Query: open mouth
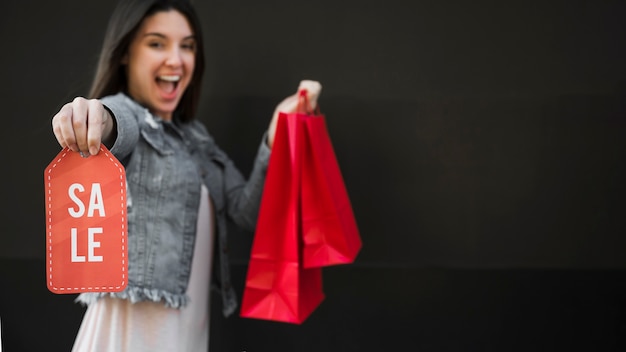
168 83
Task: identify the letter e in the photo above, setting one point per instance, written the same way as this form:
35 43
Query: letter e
93 244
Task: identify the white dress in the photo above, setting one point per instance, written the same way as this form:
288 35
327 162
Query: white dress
117 325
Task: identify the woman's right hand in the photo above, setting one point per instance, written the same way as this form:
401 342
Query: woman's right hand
82 125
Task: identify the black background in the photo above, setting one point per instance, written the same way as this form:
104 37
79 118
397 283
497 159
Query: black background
482 145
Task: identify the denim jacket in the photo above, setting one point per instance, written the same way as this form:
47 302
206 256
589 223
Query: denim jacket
166 163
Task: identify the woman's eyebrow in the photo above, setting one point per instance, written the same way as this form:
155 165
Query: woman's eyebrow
160 35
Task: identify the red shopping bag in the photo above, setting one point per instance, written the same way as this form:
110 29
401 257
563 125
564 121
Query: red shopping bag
277 285
329 229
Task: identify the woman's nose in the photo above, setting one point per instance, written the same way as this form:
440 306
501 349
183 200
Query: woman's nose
173 58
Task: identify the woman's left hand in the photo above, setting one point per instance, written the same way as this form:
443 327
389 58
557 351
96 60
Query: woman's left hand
290 104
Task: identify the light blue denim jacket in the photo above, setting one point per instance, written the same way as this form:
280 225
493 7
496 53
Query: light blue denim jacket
166 163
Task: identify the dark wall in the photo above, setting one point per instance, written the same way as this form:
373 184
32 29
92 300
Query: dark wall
477 136
483 134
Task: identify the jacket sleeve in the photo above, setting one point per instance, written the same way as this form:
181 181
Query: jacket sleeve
126 115
243 197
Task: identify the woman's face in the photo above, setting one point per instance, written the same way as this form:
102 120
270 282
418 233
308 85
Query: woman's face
160 62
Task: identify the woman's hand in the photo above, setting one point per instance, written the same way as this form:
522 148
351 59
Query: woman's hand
290 104
82 125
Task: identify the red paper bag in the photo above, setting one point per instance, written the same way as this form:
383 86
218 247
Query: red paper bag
329 229
277 286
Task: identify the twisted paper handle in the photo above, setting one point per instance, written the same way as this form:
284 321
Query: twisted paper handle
304 105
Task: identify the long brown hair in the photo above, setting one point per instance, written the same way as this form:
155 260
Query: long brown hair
111 78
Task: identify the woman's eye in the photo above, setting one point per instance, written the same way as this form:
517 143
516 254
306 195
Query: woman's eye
155 45
189 46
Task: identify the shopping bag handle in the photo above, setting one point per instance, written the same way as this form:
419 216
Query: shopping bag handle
304 105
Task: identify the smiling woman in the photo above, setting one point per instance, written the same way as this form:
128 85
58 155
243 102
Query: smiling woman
160 62
181 187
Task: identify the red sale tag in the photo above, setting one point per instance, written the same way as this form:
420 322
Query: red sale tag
86 223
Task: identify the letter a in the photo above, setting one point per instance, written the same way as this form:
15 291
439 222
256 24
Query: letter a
95 201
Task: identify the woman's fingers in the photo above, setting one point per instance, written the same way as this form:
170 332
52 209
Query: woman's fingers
95 124
79 124
63 129
313 88
290 104
80 114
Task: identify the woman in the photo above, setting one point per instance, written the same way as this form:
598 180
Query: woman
181 187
